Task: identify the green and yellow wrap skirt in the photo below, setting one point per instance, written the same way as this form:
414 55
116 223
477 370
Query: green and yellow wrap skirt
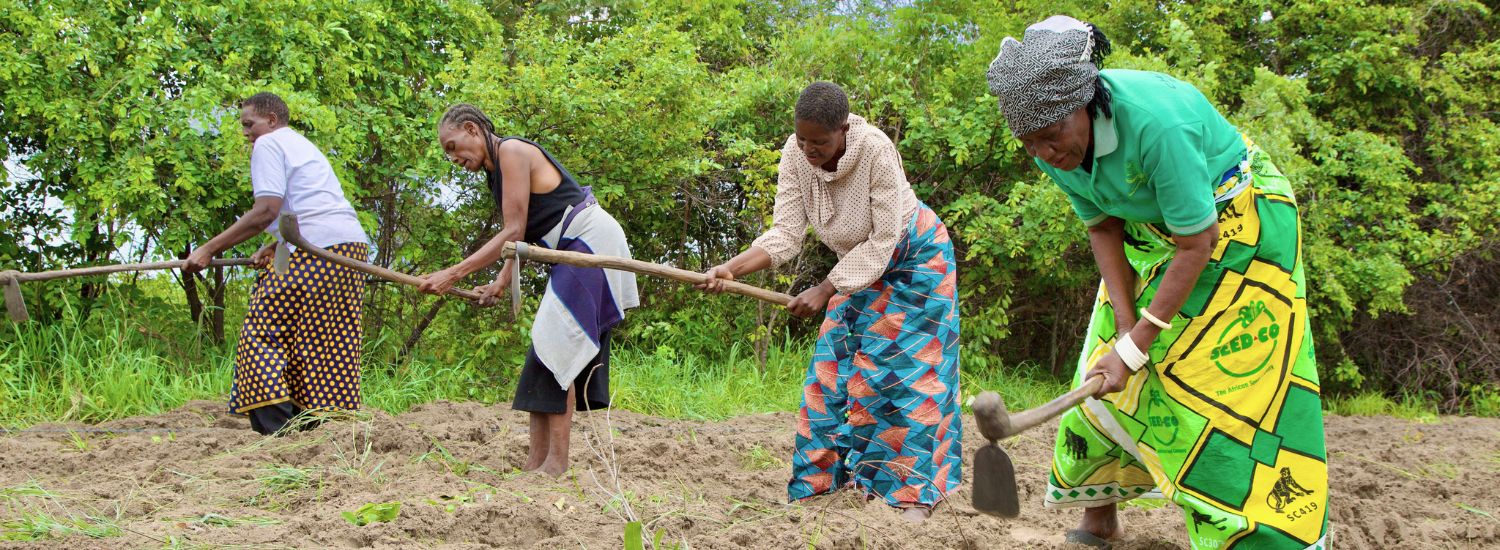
1226 420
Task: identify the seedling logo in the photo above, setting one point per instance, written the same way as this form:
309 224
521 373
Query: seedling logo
1246 345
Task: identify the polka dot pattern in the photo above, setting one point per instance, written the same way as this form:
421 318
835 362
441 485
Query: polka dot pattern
302 337
859 210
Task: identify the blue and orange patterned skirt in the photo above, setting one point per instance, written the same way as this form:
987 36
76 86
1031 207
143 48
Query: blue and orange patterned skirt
880 407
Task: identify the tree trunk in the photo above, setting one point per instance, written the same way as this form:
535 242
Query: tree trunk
388 216
190 291
415 336
96 247
764 342
416 332
216 319
1052 347
195 303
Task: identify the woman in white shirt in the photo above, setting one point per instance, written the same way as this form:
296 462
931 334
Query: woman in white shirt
300 346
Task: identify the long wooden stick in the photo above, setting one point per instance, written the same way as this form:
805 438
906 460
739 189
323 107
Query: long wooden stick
547 255
117 268
293 235
13 279
1031 418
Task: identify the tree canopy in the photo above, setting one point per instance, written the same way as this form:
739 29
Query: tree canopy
1384 114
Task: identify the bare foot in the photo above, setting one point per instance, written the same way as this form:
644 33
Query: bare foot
552 437
916 513
1102 522
535 458
554 468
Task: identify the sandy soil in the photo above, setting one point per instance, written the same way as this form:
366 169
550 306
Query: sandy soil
198 476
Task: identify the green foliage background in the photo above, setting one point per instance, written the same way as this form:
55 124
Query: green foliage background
120 115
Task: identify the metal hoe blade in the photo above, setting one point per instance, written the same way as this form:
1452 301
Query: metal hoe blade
13 302
515 281
283 261
994 475
995 483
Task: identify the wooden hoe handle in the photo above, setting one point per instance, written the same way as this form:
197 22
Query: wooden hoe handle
117 268
547 255
996 423
293 235
1032 418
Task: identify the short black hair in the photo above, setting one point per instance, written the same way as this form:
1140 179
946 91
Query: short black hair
824 103
267 103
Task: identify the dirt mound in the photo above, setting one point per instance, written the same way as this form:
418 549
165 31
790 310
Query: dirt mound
199 476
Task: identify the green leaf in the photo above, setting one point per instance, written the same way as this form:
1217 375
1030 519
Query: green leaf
373 512
1474 510
633 540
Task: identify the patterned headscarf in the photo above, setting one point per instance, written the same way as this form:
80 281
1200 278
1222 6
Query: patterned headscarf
1048 76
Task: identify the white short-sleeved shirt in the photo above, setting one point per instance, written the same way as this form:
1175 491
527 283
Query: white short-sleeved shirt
284 164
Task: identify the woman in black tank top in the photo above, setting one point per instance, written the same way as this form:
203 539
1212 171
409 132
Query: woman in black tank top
469 141
511 169
544 210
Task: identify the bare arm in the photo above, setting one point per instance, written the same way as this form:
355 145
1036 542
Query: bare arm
515 196
252 223
1107 239
1193 252
753 259
782 240
515 170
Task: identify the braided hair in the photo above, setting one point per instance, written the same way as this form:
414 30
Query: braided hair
1100 104
459 113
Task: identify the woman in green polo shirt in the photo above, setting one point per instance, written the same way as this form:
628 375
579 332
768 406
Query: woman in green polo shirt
1210 389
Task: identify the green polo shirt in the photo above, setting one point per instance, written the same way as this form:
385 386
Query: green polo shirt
1158 160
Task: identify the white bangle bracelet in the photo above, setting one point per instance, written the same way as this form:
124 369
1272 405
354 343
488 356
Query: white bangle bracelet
1152 318
1130 353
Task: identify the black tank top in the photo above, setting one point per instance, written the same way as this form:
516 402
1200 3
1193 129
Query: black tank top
543 211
